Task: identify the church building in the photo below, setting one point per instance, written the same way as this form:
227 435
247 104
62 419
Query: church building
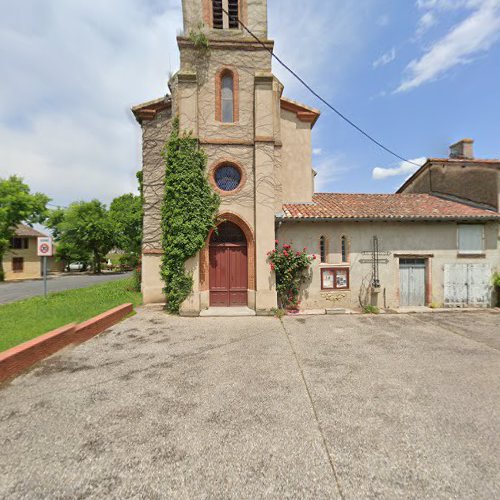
399 249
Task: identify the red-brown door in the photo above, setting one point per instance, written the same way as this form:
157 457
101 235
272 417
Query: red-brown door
228 267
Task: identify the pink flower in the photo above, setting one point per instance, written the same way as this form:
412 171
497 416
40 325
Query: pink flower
314 257
298 253
287 247
285 253
276 242
273 267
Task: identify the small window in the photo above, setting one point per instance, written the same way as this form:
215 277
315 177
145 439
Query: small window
344 249
335 278
19 243
227 177
470 239
227 98
322 250
17 264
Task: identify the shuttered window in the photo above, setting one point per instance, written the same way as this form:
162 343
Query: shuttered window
17 264
470 239
19 243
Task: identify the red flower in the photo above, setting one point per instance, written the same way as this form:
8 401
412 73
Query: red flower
273 267
314 257
298 253
287 247
276 242
285 253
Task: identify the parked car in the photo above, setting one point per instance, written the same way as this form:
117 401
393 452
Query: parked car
77 266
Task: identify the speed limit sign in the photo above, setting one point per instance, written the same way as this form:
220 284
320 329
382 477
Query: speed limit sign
44 247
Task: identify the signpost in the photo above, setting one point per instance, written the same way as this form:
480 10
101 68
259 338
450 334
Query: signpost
45 249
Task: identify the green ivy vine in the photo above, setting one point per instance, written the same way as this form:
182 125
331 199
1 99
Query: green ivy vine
189 212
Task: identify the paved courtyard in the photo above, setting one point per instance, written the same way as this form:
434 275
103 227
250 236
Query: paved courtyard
394 406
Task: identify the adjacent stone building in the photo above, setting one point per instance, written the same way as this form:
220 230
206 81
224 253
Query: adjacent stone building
460 177
390 250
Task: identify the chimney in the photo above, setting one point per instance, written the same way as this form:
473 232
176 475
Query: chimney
463 149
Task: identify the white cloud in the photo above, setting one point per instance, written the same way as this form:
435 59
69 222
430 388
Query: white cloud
466 40
386 58
317 151
329 170
70 73
71 70
404 168
331 36
425 23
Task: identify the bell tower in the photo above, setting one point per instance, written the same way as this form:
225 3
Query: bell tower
226 96
220 17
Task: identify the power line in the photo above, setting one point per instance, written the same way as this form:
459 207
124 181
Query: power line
318 96
56 206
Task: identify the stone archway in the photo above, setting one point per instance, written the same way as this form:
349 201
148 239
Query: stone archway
250 252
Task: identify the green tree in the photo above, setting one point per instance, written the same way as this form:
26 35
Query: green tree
126 214
17 205
87 228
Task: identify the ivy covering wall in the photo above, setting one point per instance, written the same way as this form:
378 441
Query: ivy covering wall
189 212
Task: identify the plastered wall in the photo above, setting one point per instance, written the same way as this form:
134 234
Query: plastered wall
437 241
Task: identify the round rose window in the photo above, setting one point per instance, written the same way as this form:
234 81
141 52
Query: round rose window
227 177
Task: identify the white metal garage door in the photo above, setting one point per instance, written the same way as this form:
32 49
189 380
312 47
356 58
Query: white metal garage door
412 282
467 285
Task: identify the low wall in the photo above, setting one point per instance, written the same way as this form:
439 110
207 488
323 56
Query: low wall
19 358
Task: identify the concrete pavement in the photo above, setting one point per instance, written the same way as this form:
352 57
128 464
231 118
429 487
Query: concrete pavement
13 291
314 407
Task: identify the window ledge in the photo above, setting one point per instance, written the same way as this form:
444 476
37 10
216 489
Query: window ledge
471 255
343 264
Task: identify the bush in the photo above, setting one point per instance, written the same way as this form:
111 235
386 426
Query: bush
369 309
137 278
290 267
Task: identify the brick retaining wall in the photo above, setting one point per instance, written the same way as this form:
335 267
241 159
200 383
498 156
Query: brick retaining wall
19 358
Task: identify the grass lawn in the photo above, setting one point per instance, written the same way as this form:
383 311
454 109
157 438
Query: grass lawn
27 319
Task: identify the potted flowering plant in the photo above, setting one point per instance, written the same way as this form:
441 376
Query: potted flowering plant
290 267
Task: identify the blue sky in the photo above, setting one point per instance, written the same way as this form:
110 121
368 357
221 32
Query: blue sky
416 74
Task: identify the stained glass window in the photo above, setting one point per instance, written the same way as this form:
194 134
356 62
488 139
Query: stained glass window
227 99
227 177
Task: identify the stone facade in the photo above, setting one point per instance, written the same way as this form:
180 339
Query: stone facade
436 243
254 142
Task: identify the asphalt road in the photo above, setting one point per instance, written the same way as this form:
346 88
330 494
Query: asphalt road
350 407
12 291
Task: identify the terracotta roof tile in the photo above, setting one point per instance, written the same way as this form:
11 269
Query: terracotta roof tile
22 230
384 207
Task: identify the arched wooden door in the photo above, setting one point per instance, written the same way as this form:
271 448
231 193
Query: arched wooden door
228 267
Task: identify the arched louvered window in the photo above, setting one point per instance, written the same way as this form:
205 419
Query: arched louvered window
222 20
233 14
217 15
322 250
227 98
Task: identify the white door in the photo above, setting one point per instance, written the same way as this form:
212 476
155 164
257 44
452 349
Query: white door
412 282
467 285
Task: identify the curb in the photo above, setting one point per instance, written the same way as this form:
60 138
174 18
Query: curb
17 359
